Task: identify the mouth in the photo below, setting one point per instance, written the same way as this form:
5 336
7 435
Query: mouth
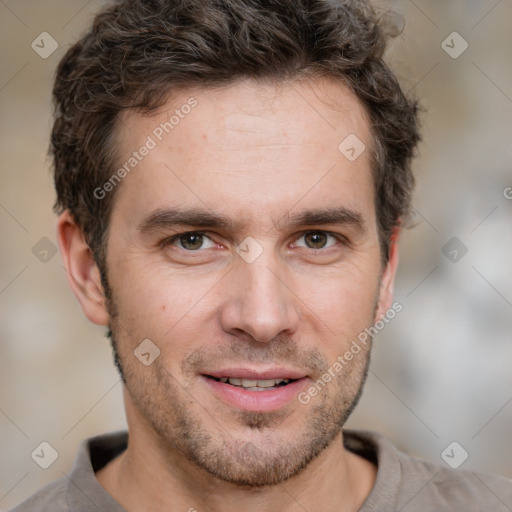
253 385
253 390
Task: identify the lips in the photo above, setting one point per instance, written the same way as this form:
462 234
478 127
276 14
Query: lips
255 390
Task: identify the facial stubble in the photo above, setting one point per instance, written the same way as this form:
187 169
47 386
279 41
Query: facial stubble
279 451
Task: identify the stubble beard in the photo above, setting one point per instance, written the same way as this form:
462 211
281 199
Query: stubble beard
168 408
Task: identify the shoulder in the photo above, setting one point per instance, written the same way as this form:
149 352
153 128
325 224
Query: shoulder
51 497
79 490
448 487
408 483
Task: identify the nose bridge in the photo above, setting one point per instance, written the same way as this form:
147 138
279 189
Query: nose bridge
264 284
261 304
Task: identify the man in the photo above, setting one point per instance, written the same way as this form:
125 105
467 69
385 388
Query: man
232 177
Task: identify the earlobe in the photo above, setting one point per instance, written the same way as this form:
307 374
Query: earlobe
83 273
388 276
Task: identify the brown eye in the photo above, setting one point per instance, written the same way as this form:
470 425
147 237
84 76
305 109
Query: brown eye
191 241
316 239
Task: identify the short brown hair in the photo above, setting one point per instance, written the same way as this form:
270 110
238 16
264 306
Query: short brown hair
138 51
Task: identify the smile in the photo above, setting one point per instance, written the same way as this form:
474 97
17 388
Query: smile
254 385
251 390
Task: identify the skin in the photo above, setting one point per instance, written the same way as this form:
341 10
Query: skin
256 153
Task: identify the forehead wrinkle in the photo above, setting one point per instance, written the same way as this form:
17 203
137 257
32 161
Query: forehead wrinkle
262 145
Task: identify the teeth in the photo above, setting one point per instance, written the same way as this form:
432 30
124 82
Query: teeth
268 383
254 385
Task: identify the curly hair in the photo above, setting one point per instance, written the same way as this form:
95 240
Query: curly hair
138 51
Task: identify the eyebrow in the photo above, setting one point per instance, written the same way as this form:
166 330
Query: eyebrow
166 218
336 215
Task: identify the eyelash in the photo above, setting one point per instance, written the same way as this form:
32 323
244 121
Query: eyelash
340 238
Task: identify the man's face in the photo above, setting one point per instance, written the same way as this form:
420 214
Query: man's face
282 304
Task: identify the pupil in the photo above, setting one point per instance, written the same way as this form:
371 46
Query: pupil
318 239
192 241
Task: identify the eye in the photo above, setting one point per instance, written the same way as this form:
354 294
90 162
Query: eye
318 240
191 241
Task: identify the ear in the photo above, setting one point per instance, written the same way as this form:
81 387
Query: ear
83 273
388 276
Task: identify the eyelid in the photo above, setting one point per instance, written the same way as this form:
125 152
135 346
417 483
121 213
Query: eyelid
338 236
173 238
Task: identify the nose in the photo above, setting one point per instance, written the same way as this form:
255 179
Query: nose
261 305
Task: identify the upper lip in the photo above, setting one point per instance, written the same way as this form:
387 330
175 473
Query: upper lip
253 374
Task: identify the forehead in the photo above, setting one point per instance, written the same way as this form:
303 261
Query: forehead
248 148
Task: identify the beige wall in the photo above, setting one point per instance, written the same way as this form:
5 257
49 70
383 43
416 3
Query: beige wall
441 369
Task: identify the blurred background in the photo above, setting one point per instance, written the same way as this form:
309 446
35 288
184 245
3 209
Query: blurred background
441 370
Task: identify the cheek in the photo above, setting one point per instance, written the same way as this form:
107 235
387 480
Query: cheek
163 306
344 300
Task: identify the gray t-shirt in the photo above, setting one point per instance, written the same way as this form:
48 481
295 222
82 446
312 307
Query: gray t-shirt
404 483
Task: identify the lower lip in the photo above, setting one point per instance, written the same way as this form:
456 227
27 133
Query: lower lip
261 401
